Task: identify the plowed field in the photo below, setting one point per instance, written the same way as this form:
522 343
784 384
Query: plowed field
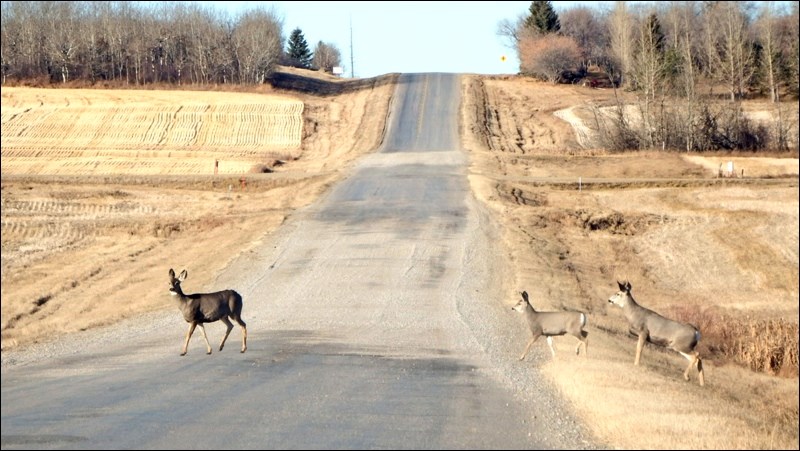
80 132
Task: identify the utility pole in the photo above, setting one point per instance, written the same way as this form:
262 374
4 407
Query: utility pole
352 63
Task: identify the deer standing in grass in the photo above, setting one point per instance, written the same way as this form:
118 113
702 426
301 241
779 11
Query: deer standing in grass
550 324
201 308
654 328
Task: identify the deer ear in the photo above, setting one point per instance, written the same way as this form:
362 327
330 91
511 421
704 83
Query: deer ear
525 295
171 273
183 275
627 286
621 285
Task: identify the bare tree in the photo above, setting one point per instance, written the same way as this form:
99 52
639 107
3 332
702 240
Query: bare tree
621 37
509 31
206 37
121 31
729 51
139 45
10 41
25 51
326 57
258 42
648 70
787 43
684 32
179 51
778 39
62 37
769 58
94 56
581 24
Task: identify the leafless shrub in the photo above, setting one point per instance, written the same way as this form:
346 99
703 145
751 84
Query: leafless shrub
785 128
612 130
726 128
706 126
548 56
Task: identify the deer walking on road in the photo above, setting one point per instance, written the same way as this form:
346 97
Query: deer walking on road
201 308
654 328
550 324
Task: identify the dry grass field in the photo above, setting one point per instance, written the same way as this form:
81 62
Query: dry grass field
103 190
694 246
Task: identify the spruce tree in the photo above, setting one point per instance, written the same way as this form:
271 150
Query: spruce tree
543 18
655 31
298 49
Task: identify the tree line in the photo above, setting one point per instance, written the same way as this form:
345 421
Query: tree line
673 56
144 43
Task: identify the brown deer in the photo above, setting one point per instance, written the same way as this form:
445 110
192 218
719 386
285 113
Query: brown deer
201 308
550 324
651 327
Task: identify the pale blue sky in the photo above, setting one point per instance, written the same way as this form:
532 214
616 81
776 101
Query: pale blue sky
404 36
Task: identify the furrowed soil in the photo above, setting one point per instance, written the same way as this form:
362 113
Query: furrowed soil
101 187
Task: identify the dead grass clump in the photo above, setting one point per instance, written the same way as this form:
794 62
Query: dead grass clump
260 169
521 197
42 300
210 222
764 345
165 230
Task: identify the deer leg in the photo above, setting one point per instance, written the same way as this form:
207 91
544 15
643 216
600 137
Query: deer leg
700 375
584 341
238 319
527 348
205 337
229 328
691 358
552 347
188 336
694 360
244 337
639 346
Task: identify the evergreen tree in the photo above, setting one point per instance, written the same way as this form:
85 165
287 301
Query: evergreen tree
543 18
298 51
654 26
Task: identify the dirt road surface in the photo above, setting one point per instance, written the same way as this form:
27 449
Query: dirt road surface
369 328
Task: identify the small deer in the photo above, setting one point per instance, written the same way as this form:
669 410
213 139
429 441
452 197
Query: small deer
200 308
651 327
550 324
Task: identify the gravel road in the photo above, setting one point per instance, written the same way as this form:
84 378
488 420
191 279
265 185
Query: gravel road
374 322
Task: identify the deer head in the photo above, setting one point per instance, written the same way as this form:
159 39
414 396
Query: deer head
175 282
621 297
